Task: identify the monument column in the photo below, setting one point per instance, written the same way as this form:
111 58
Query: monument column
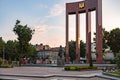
88 35
99 32
67 38
85 6
77 38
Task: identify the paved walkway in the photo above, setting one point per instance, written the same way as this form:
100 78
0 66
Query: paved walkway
44 71
48 72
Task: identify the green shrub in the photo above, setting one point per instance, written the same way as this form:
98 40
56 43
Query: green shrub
1 60
6 66
78 68
72 68
67 68
117 72
117 60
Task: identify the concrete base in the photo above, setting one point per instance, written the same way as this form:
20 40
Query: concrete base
60 62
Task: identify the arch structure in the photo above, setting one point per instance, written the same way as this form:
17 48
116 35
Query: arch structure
86 6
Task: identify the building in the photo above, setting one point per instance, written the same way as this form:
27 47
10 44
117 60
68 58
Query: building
46 54
107 55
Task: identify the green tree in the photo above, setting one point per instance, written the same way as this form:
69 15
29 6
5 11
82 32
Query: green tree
104 39
117 60
72 50
11 50
2 45
24 34
31 51
82 49
114 40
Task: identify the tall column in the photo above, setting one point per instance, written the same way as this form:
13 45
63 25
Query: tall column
99 32
77 38
88 35
67 38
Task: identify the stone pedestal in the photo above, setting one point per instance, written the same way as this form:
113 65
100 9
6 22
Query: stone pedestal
60 61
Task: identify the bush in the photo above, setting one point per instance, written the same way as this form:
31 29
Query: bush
117 72
6 66
117 60
79 68
72 68
66 68
1 61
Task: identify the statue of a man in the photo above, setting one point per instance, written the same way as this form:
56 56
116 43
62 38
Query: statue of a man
60 52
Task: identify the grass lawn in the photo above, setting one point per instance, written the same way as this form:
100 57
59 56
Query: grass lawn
117 72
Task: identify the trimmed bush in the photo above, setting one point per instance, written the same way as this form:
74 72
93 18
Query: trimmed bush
6 66
72 68
1 61
66 68
79 68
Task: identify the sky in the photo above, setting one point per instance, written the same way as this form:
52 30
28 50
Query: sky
47 17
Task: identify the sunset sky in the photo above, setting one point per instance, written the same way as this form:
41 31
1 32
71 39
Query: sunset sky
47 17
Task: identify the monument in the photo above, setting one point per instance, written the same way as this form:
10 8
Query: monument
60 59
86 6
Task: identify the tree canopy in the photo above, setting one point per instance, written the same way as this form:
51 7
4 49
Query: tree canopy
72 50
24 34
111 39
11 50
15 50
104 39
114 40
2 45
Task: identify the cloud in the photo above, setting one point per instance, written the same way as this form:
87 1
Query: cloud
48 34
69 1
41 6
42 28
10 36
56 10
59 9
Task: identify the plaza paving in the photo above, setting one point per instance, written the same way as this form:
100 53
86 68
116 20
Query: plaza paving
52 78
50 73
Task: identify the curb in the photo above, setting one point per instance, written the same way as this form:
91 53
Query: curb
114 75
40 65
47 76
105 76
34 76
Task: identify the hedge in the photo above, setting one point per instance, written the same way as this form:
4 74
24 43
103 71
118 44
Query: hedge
6 66
79 68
